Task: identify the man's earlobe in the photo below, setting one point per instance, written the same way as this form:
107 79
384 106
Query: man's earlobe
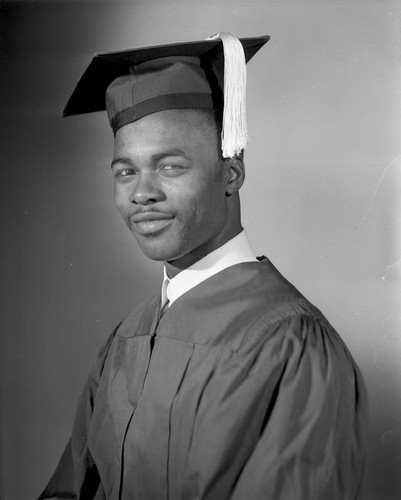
236 175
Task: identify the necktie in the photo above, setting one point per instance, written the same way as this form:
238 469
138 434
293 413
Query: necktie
164 299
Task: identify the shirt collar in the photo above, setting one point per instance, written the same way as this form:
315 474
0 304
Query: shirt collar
235 251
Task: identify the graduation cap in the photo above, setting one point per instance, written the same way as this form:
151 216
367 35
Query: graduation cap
207 74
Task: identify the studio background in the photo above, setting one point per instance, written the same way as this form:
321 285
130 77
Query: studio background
321 200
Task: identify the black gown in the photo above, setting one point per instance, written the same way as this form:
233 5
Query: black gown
241 390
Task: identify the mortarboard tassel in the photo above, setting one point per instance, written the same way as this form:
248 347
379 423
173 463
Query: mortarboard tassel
234 134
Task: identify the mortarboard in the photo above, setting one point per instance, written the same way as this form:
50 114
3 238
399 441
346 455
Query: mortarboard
207 74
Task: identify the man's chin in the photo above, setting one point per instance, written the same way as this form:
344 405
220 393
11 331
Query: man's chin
158 254
161 251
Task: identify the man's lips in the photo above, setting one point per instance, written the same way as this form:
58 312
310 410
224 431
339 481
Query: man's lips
151 216
150 222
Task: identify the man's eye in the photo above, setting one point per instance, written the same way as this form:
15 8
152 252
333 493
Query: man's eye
123 173
171 169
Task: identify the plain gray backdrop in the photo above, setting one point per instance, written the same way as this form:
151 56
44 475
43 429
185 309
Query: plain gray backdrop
321 199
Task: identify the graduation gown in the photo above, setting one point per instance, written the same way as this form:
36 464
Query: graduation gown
241 390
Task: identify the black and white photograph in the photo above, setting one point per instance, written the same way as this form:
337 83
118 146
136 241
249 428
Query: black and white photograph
200 250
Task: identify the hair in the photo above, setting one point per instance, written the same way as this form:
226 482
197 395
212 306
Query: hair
211 119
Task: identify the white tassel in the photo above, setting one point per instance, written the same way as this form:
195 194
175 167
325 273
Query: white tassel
234 135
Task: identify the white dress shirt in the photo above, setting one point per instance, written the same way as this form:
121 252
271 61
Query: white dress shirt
235 251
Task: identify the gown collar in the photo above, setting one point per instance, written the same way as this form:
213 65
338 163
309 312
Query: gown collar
236 251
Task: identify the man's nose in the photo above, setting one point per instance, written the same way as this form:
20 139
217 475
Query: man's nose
146 190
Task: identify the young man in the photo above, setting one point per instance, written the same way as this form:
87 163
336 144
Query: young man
228 384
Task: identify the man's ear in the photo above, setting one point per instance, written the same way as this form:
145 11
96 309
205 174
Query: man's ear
236 174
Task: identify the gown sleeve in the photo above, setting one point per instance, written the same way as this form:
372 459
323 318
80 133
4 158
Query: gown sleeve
76 475
283 417
312 442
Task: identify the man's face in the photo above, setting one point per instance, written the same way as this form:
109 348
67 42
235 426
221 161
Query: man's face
170 186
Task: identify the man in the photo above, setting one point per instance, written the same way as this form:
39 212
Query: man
228 384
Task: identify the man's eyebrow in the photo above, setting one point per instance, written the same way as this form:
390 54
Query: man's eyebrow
154 158
120 159
170 152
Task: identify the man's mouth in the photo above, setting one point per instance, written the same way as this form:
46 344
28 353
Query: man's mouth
148 223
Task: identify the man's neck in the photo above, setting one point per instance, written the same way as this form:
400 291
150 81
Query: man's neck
233 252
174 267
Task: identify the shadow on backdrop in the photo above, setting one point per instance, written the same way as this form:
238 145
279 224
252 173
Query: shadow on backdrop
322 199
